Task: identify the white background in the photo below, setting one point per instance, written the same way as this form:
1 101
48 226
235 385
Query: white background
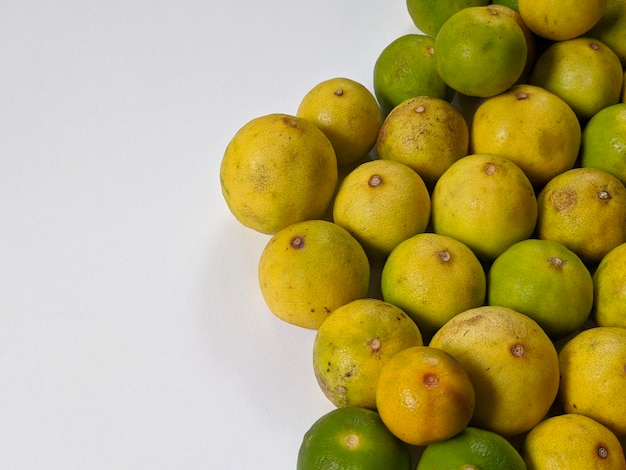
132 330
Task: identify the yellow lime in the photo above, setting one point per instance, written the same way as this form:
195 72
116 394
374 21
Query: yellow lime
593 376
430 15
405 69
585 210
432 278
604 141
512 363
485 201
426 133
278 170
347 113
424 395
480 51
382 203
352 438
471 449
572 442
352 346
583 71
559 20
544 280
530 126
611 28
609 281
310 268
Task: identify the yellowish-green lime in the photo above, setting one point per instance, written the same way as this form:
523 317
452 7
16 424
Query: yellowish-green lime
405 69
603 143
544 280
428 134
609 281
347 113
352 438
480 51
611 28
352 346
309 269
559 20
471 449
573 442
432 278
430 15
277 170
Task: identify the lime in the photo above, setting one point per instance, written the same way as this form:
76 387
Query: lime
561 20
430 15
609 282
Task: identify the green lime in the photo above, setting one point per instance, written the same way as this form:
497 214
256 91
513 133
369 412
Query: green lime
472 448
430 15
352 438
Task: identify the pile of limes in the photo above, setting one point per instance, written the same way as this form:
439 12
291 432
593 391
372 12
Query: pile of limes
457 239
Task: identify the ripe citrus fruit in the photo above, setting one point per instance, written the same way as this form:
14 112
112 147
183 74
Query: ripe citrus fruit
609 281
572 442
519 279
611 28
593 376
512 363
480 51
352 346
352 438
310 268
471 449
582 71
604 141
561 20
278 170
477 197
430 15
347 113
405 69
428 134
530 126
585 210
424 395
432 278
382 203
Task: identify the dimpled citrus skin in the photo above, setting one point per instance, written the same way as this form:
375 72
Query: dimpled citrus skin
352 346
530 126
572 442
277 170
592 367
310 268
512 363
424 395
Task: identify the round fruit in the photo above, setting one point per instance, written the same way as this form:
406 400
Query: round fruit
583 71
352 439
512 363
406 69
544 280
427 134
424 395
352 346
572 442
561 20
585 210
473 448
278 170
310 268
347 113
609 282
593 376
530 126
480 51
430 15
382 203
432 278
604 141
479 196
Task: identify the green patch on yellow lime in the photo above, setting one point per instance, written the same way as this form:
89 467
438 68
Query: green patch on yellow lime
352 438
